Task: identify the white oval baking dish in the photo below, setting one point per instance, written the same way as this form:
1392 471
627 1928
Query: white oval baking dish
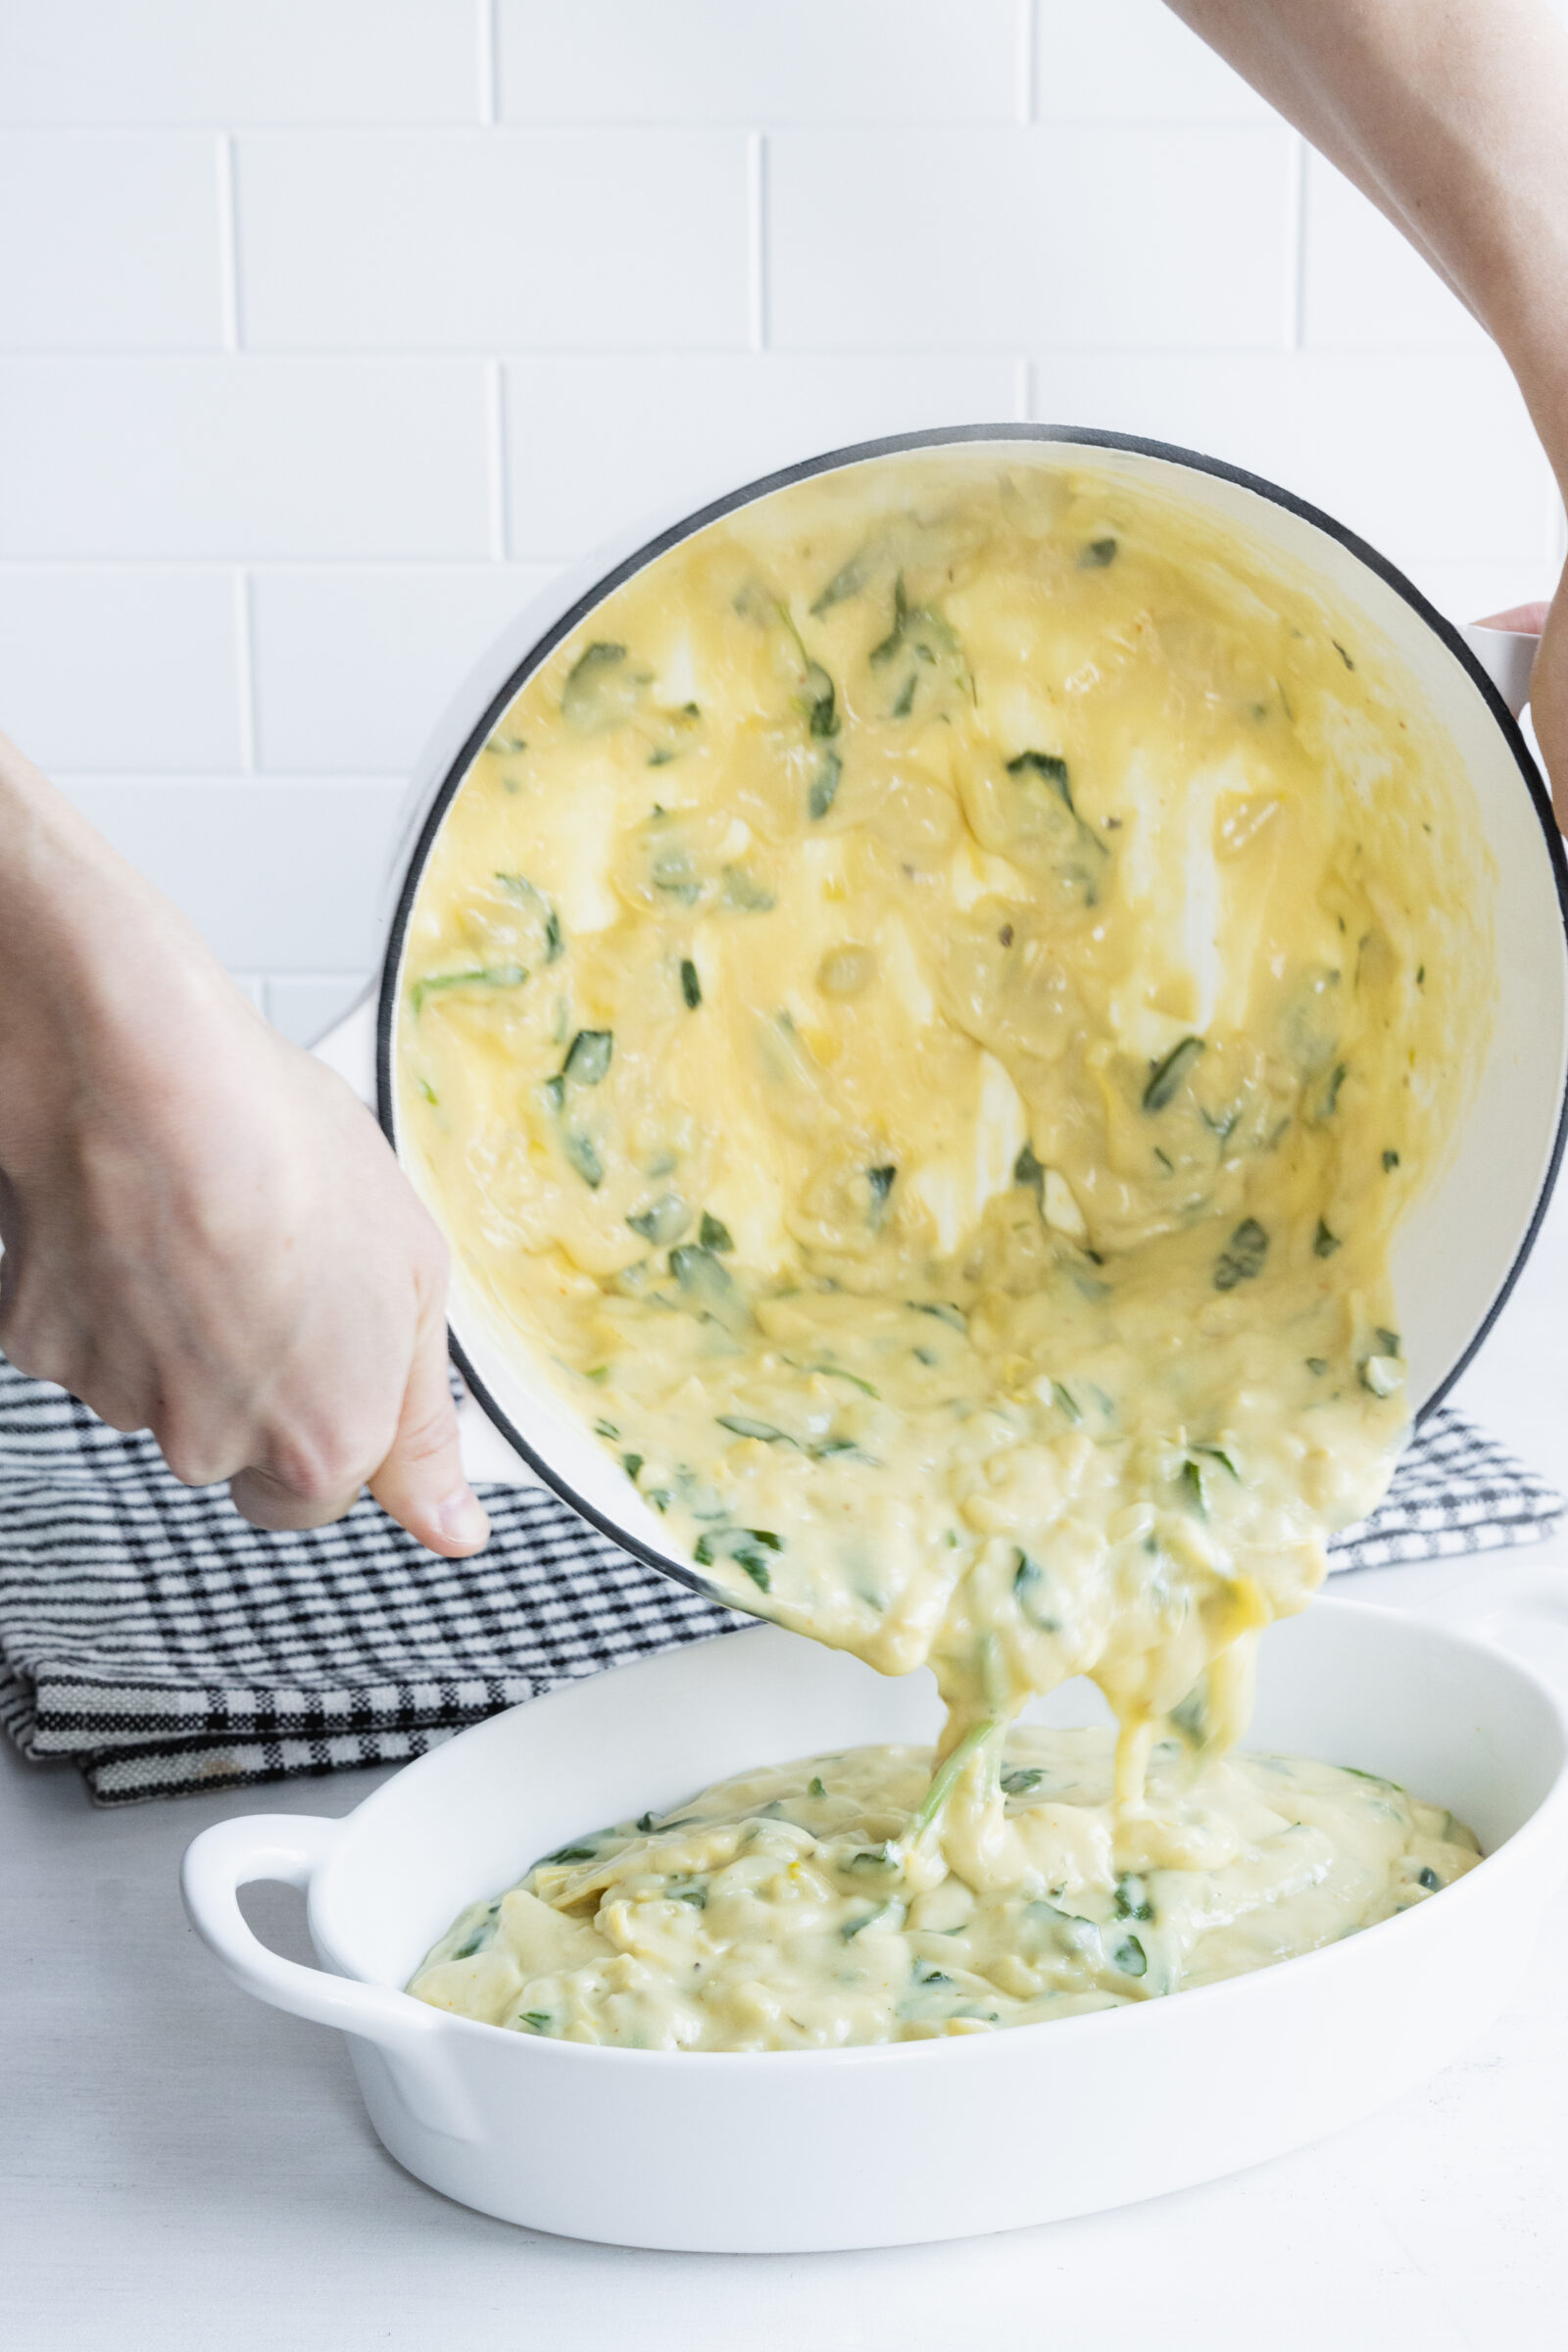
1494 1188
791 2151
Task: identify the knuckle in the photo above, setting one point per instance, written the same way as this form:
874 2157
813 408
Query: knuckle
319 1468
195 1459
58 1355
259 1499
189 1469
309 1478
29 1349
34 1343
114 1397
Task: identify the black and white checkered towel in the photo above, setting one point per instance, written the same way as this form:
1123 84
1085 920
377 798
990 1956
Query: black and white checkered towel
147 1632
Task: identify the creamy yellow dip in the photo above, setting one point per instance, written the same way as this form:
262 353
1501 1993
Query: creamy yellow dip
926 1014
776 1911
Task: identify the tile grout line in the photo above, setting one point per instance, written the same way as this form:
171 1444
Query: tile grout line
480 562
1028 59
227 243
1295 209
495 450
757 239
451 355
488 32
675 127
270 566
245 671
213 785
221 780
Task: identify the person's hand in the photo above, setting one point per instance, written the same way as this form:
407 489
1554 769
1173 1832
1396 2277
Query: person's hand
1548 687
205 1234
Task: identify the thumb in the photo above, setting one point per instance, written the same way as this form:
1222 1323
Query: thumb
421 1483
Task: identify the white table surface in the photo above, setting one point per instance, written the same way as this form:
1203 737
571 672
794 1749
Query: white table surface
180 2164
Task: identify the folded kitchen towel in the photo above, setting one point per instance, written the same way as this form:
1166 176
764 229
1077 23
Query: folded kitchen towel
153 1638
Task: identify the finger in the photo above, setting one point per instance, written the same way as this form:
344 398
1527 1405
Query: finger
421 1483
1528 620
271 1502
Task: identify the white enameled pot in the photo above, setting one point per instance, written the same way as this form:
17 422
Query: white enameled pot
798 2151
1461 1246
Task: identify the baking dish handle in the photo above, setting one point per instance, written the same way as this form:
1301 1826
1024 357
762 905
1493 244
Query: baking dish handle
290 1848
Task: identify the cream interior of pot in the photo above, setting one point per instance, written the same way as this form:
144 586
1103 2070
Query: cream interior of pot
1470 1190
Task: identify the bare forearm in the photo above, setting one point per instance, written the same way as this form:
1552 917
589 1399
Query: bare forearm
48 862
1452 117
56 896
73 926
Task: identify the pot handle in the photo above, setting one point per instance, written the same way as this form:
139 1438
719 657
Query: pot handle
290 1848
1508 656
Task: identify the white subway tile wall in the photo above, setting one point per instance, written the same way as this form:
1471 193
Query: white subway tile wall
244 458
130 668
329 329
1363 286
1087 236
231 62
273 870
349 666
452 240
844 62
593 444
1125 61
112 241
